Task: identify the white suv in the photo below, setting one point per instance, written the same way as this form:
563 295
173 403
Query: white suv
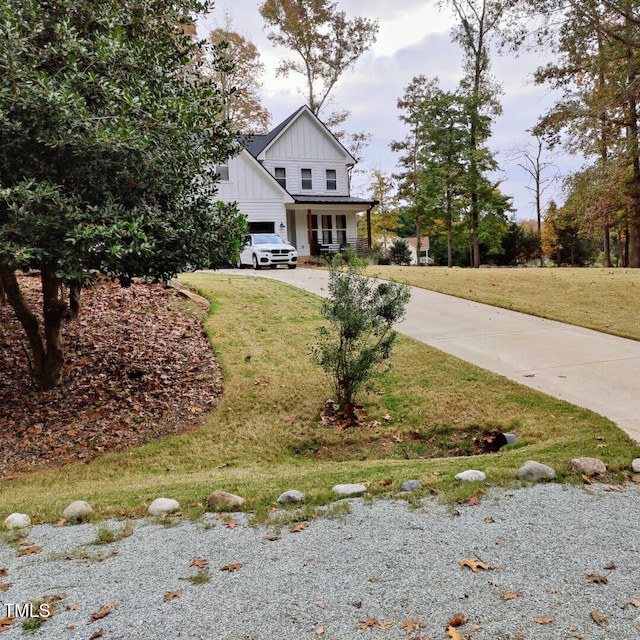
267 250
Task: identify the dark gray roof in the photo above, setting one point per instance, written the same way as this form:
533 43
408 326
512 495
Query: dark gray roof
310 199
255 145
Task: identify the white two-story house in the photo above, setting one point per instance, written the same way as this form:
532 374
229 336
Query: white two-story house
295 181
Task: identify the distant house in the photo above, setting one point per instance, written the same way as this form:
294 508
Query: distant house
295 181
424 250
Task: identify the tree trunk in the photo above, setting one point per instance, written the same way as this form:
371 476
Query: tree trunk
607 247
47 357
74 301
3 295
449 231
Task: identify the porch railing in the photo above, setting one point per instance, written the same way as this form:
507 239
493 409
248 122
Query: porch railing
359 245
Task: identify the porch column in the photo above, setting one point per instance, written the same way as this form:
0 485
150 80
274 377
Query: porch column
310 232
369 227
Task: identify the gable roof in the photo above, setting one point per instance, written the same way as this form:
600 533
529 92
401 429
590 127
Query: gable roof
257 144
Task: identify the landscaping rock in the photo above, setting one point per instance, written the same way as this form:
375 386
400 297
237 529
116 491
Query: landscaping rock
588 466
471 475
225 501
78 510
535 471
411 485
346 490
291 497
635 465
17 521
163 505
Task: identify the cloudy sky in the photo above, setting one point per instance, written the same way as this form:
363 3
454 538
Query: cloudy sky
414 39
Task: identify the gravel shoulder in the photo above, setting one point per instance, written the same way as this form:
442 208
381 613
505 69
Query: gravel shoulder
385 570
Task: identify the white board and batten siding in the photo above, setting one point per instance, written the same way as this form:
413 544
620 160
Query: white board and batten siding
306 144
258 195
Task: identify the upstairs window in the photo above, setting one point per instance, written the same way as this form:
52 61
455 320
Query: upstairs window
332 184
281 176
223 171
305 175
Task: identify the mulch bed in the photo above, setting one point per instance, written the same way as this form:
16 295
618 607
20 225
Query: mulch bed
138 367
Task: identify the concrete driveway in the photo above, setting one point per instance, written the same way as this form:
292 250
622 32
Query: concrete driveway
584 367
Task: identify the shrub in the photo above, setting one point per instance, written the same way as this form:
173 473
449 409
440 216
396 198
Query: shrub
361 313
400 252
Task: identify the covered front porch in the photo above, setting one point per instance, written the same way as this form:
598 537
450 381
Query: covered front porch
325 225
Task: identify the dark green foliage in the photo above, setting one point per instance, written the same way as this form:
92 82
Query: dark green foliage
400 252
361 313
108 142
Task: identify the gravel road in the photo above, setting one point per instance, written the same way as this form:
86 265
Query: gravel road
564 562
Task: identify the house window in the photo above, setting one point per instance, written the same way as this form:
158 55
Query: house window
223 171
331 180
281 176
305 174
341 229
327 229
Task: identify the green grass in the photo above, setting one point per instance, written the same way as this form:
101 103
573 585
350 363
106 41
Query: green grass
606 300
265 437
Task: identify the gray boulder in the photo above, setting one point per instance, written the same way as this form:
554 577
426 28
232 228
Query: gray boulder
78 510
588 466
471 475
291 497
17 521
163 505
346 490
535 471
411 485
635 465
225 501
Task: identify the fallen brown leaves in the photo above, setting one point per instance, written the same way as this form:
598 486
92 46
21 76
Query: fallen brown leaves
138 367
474 565
231 567
103 612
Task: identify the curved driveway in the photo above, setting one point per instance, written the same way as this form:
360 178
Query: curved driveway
584 367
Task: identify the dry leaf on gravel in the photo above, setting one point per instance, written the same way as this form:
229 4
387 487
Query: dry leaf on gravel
458 620
543 620
384 626
369 622
474 565
230 523
453 633
104 611
27 551
599 619
201 564
411 625
5 623
593 578
231 567
172 595
6 586
98 634
301 526
511 595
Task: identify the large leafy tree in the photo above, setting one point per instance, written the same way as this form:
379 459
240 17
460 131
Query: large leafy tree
385 217
326 44
597 69
108 144
479 23
234 65
411 178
